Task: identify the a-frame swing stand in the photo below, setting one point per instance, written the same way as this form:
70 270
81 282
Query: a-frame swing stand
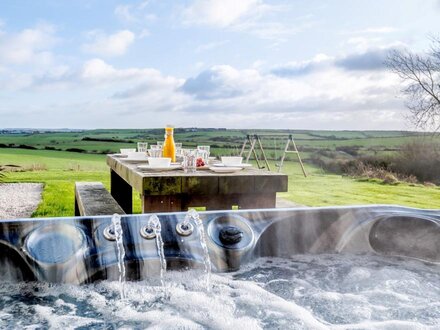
255 140
294 151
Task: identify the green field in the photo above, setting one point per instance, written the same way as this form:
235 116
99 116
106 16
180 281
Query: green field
58 170
222 140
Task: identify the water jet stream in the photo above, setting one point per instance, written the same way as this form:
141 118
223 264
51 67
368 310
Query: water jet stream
116 221
206 259
154 224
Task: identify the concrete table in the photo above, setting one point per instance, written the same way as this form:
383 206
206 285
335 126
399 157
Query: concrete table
177 191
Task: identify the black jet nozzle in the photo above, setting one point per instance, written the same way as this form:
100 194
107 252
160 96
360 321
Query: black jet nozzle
230 235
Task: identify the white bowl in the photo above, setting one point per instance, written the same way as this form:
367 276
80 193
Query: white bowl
126 151
231 161
159 161
137 155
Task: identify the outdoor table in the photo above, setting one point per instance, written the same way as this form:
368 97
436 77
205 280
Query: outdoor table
176 190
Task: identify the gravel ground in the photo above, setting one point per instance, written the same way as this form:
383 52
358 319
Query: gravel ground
19 200
284 203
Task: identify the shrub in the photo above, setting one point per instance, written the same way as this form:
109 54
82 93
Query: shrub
76 150
350 150
25 146
420 159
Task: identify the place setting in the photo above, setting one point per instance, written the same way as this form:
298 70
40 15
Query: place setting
159 164
229 165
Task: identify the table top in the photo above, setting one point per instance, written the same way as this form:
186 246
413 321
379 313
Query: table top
249 180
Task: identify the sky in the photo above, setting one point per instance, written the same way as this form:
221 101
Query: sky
296 64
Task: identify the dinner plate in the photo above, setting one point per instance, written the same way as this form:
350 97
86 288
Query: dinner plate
120 155
150 168
238 165
225 169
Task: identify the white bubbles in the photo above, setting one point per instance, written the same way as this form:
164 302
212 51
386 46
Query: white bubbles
305 292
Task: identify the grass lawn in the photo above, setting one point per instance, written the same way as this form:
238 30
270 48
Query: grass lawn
63 170
324 189
318 189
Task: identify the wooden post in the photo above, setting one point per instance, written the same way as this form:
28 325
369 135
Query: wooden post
121 192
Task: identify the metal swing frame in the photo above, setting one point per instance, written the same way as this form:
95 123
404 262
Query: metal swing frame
294 151
254 141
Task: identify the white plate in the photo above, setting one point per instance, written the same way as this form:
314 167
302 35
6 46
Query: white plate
225 169
158 169
238 165
134 160
120 155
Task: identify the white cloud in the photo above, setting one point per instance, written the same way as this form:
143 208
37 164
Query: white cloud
221 13
250 16
109 45
329 96
31 45
98 71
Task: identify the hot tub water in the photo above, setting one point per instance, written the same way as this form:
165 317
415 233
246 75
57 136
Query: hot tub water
302 292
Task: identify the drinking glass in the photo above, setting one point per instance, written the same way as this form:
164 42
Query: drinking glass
179 153
142 146
155 151
204 153
189 161
160 143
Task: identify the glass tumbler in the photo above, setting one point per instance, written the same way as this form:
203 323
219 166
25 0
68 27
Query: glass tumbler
204 152
142 146
155 151
189 161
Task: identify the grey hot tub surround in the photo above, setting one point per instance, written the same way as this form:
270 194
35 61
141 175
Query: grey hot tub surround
76 250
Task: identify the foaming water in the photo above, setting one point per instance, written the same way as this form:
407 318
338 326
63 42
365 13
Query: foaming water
304 292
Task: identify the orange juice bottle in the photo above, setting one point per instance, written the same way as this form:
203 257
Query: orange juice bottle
169 148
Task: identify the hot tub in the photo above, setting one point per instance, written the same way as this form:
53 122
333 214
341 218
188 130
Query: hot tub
356 267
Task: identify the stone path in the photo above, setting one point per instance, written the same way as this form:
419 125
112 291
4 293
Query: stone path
19 200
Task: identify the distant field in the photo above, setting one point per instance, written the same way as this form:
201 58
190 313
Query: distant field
222 141
58 170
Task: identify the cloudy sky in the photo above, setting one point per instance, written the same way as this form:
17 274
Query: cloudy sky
310 64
